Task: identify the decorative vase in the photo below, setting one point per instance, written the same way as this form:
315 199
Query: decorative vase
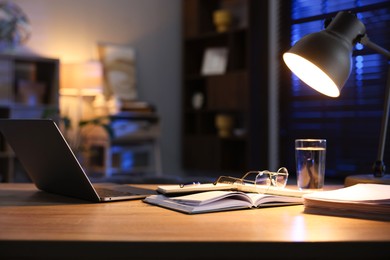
224 124
222 20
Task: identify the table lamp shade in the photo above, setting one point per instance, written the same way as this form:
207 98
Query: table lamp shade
82 76
323 60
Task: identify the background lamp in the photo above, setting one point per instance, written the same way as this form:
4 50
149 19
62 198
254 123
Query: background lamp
323 60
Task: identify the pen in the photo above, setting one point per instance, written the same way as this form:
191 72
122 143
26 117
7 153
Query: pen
189 183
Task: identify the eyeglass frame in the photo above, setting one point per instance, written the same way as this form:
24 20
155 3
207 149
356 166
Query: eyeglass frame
242 180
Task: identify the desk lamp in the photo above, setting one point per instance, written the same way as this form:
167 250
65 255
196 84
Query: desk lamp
323 61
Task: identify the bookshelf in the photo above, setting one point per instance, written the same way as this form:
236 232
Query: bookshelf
28 89
235 88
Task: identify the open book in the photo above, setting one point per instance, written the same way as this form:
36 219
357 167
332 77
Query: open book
361 200
212 201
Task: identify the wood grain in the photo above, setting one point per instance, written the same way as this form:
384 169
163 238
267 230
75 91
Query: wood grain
27 214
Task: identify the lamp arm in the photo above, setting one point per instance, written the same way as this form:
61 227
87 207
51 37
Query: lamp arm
373 46
379 166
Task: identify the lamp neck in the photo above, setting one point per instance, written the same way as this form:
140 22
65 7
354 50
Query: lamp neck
373 46
347 26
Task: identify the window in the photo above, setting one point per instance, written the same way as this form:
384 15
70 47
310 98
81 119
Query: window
350 123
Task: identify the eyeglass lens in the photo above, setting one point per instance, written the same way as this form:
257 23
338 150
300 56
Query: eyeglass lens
276 179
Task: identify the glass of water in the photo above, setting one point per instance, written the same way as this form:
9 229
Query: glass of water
310 161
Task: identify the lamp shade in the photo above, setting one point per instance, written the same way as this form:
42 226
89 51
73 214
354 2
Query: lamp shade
81 78
323 60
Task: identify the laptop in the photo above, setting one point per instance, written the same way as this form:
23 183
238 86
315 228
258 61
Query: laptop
52 166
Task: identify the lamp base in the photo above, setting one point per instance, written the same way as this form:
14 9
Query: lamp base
366 178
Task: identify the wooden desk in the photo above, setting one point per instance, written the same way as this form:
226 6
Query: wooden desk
37 224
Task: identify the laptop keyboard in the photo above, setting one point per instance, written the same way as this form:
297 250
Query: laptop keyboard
104 192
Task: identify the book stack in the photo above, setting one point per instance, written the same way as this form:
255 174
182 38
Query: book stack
136 106
371 201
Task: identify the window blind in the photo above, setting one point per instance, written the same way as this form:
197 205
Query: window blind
351 123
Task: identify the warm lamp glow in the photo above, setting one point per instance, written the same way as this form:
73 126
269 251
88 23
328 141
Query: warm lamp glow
80 83
311 74
323 59
82 78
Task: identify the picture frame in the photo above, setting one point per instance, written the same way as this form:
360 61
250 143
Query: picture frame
214 61
119 71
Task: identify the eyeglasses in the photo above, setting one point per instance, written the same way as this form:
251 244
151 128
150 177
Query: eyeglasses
262 178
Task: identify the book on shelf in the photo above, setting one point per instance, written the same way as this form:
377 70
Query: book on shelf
137 106
370 201
220 200
180 189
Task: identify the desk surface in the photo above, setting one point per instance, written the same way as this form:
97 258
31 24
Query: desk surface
46 224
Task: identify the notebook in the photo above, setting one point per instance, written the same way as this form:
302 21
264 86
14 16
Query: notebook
52 166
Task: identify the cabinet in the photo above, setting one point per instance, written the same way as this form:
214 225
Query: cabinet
236 93
130 148
28 89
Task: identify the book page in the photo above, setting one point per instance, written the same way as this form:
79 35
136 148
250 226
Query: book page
222 205
259 199
370 201
207 197
272 190
169 189
213 206
358 193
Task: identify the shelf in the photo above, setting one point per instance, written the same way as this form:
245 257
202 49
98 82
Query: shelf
213 35
228 92
234 94
198 16
134 149
236 45
198 76
221 155
28 89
